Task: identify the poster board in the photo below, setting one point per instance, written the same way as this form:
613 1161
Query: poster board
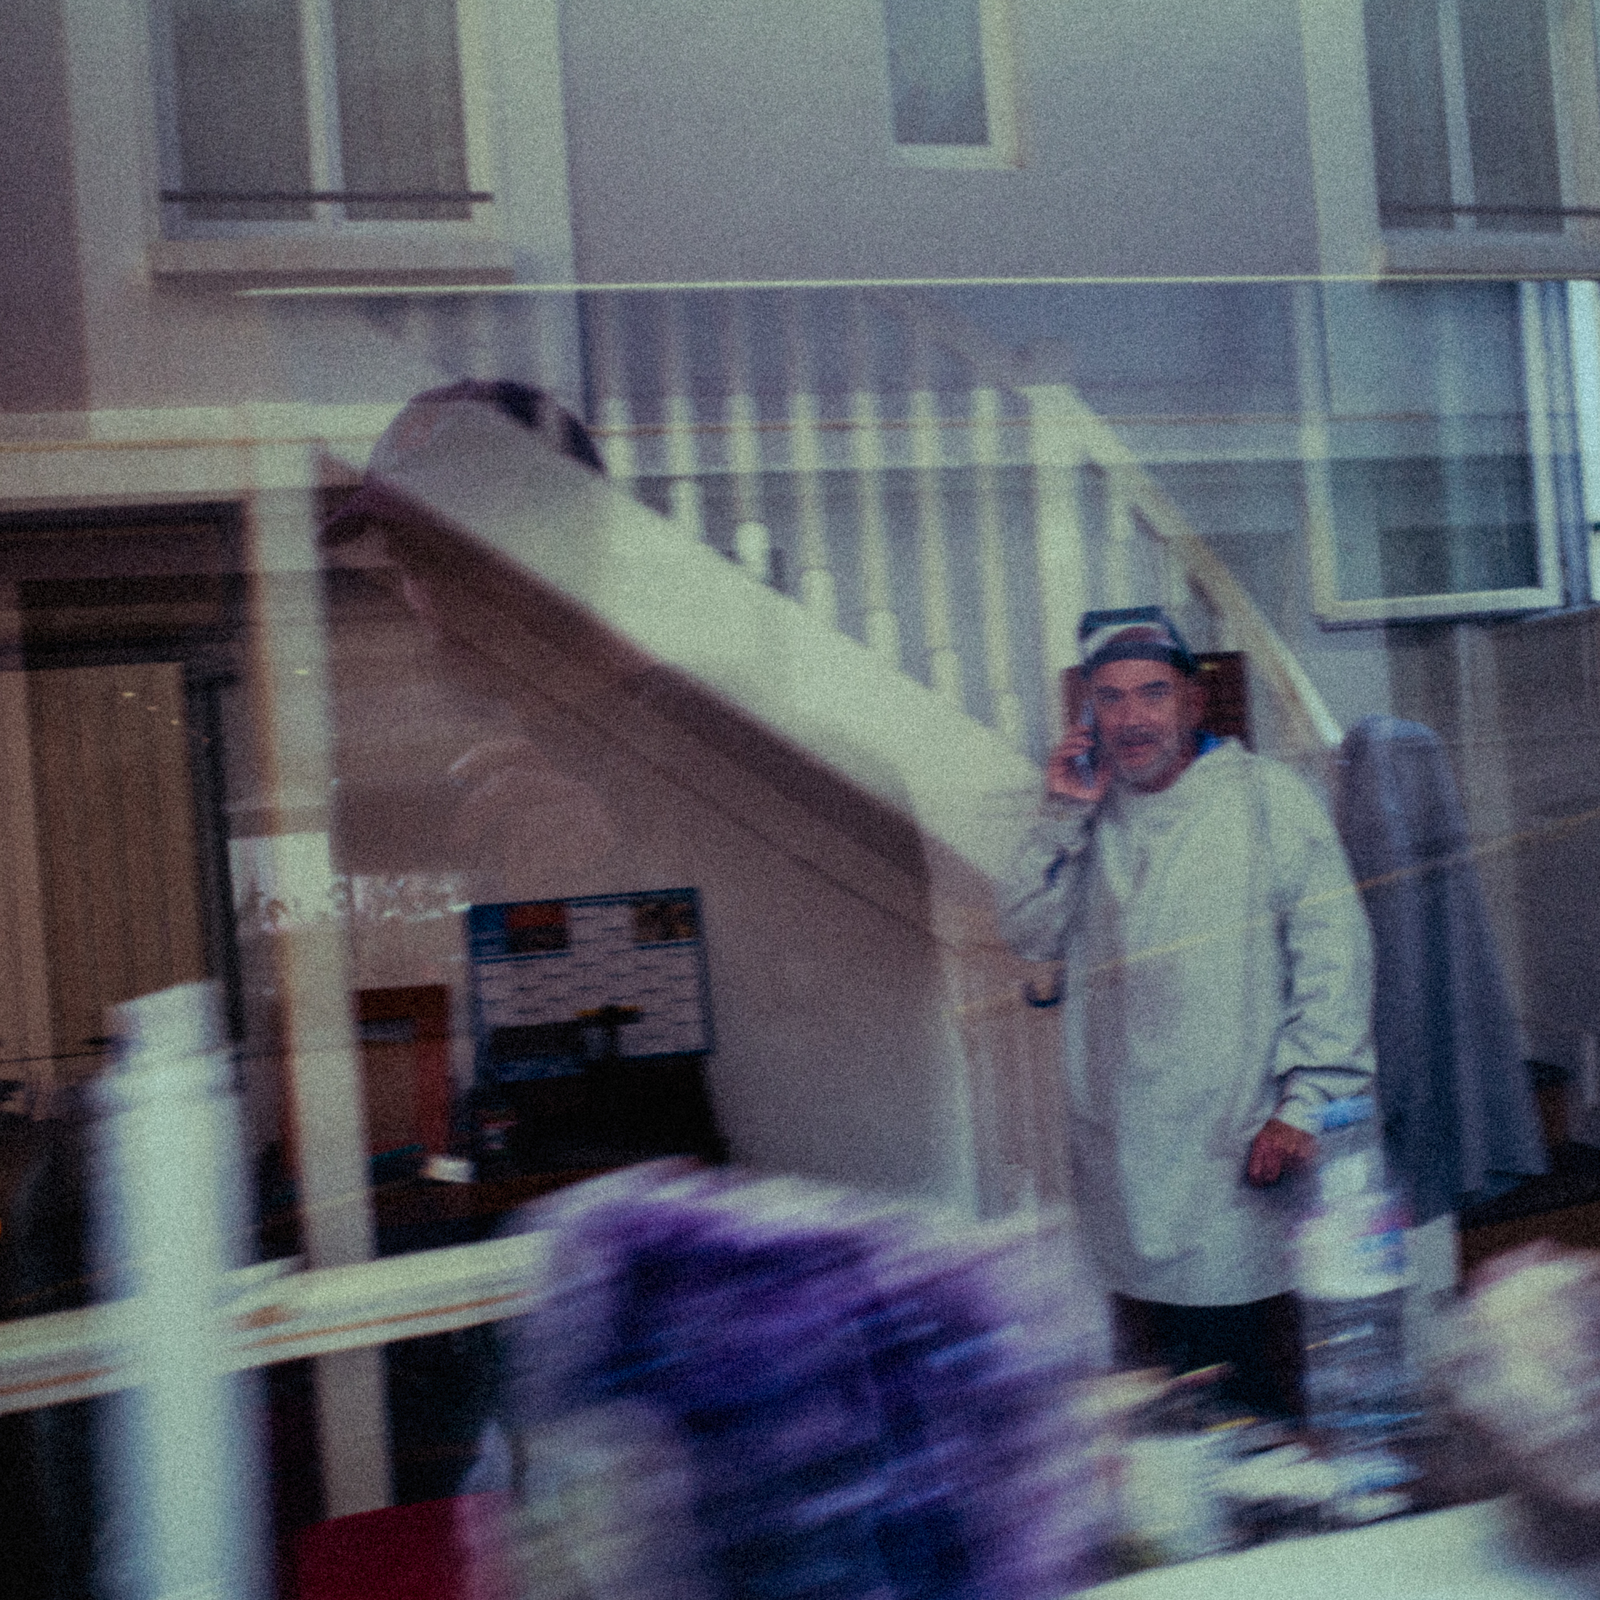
556 983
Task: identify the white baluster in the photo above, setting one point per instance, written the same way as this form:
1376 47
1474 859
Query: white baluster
877 589
744 438
1056 450
684 496
817 589
616 428
986 453
1120 548
183 1453
944 665
611 378
752 547
816 585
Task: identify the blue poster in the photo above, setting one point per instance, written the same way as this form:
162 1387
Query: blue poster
560 982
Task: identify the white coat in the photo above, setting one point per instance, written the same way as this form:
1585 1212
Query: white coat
1217 972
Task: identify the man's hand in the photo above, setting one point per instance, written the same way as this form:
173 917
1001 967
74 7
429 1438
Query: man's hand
1062 777
1276 1150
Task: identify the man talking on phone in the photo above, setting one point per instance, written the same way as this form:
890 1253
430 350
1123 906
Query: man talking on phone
1217 979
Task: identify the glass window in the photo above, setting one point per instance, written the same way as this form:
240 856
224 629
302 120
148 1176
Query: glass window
1464 114
949 82
292 104
1432 526
936 72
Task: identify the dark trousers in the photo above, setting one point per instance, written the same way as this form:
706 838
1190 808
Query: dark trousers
1259 1341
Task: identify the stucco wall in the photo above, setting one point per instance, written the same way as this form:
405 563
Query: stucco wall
747 140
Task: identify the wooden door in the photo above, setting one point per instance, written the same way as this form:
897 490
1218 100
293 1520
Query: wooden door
26 1040
118 861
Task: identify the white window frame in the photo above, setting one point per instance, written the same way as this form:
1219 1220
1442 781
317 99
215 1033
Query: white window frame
1334 609
1003 148
328 244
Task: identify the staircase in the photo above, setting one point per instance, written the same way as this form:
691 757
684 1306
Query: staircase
888 579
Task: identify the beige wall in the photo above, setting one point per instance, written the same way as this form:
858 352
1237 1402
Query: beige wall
756 145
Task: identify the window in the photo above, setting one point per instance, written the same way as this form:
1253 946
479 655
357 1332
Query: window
1481 110
1431 525
950 82
1467 512
330 114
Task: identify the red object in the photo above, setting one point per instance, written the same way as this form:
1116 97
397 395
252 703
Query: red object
440 1550
427 1007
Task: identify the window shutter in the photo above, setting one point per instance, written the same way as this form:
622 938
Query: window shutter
1408 119
1511 118
240 106
400 116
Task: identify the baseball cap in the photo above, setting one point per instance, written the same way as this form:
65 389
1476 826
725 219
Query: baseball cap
1135 633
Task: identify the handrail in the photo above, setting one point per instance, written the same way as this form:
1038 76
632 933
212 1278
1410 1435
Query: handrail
1312 726
721 431
276 1312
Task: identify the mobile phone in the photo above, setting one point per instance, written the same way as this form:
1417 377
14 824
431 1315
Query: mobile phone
1078 708
1089 762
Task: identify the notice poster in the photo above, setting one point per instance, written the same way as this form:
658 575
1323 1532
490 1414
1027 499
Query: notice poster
559 982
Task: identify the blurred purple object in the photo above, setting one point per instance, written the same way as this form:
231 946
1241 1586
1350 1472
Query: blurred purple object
838 1397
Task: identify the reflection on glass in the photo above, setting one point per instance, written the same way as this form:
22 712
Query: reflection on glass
1425 526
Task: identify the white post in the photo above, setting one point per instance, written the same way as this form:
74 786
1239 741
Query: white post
183 1458
816 586
877 587
1063 569
986 453
322 1070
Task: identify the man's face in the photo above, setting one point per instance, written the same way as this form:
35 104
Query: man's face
1147 713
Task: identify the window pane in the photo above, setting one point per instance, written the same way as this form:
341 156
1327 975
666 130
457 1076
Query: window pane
936 72
400 120
1433 525
1505 50
1408 121
240 104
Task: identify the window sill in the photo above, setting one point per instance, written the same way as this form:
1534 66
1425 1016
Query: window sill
988 157
315 260
1332 613
1490 255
